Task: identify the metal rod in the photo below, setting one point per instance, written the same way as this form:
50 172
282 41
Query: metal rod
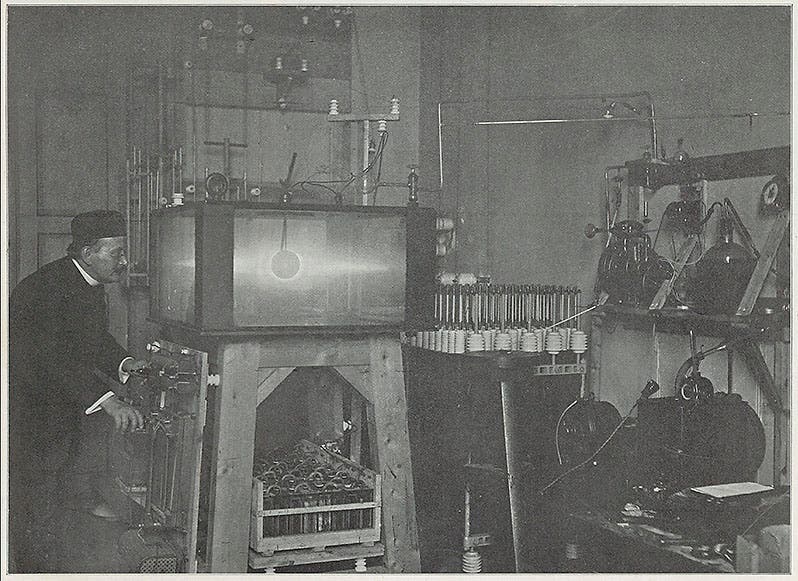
647 118
577 97
579 314
440 146
365 161
127 216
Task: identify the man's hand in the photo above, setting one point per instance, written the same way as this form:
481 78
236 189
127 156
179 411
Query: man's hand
126 417
135 366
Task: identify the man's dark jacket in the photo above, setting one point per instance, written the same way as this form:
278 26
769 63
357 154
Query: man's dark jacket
58 337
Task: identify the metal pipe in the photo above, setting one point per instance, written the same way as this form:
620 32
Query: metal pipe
578 97
653 129
647 118
161 127
127 216
607 191
365 161
440 146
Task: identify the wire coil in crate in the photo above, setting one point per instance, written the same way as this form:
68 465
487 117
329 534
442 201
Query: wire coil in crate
310 497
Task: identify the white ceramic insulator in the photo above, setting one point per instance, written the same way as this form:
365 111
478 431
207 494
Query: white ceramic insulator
153 347
553 343
304 65
278 63
472 562
578 341
333 106
395 106
571 551
383 126
444 224
254 192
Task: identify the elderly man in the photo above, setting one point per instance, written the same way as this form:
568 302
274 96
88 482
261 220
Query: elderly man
61 359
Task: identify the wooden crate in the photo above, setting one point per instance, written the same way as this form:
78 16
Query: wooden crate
311 517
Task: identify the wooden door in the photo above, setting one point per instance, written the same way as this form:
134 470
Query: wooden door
66 136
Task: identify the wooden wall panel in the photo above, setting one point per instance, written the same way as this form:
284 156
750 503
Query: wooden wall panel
51 246
72 159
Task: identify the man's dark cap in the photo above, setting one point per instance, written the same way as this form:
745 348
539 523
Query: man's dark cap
98 224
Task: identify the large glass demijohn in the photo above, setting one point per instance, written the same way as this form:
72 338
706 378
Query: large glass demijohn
723 272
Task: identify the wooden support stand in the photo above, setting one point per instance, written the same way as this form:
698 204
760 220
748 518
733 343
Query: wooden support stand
251 368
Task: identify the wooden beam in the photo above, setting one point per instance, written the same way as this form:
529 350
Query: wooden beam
400 534
768 253
319 351
761 373
726 166
594 367
231 470
274 377
358 419
781 445
685 250
357 377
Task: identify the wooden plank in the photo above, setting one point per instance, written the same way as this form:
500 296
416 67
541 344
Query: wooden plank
513 470
314 509
307 556
355 438
272 380
256 523
761 373
726 166
299 351
357 377
685 250
768 253
393 450
781 446
231 470
594 367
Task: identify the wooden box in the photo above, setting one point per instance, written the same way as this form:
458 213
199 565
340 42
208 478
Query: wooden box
339 513
222 267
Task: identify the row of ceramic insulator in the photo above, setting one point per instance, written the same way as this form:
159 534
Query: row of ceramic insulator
536 340
483 305
335 109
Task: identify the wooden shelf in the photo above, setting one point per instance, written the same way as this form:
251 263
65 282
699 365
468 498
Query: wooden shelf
673 320
760 162
308 556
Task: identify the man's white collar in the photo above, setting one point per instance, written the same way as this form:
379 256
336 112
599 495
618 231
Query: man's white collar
89 278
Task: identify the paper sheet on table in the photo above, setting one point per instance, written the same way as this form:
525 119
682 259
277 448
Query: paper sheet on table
731 489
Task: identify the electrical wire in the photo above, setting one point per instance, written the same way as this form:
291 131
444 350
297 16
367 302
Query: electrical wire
379 170
377 158
594 454
557 430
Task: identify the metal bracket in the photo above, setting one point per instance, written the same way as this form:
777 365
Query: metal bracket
473 541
